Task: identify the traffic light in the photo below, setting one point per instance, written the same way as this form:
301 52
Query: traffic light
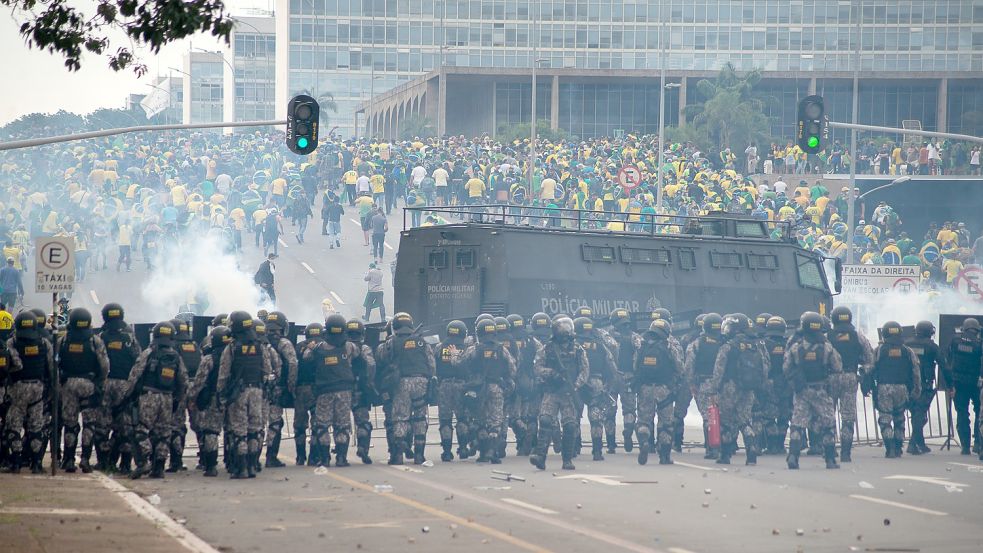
302 120
811 131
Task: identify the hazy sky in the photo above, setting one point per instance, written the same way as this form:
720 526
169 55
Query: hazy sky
37 81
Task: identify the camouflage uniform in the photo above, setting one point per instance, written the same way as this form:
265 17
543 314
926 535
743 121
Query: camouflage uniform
123 350
740 370
242 389
928 357
776 405
204 397
30 371
492 363
451 382
561 370
362 398
83 366
160 391
658 369
858 358
701 357
628 344
270 392
186 412
601 353
683 394
811 364
413 361
286 357
300 383
896 373
525 407
334 381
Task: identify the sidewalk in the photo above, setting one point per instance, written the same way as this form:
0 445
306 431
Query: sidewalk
83 513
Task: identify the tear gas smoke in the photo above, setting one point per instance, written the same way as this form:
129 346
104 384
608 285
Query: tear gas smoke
870 313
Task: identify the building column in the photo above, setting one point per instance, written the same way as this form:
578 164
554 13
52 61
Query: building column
555 103
442 102
812 86
494 95
941 119
682 101
355 126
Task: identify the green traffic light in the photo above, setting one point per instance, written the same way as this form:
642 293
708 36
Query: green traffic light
302 142
813 141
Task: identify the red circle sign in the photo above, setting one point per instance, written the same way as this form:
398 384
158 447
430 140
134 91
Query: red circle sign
970 282
629 177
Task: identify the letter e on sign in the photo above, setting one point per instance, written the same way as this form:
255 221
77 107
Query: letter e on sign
54 264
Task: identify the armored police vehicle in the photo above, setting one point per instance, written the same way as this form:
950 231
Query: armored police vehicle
459 262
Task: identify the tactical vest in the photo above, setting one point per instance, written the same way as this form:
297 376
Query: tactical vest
596 358
34 357
285 371
410 355
445 368
928 354
162 369
332 369
811 364
626 352
120 353
744 364
305 368
706 356
847 344
563 364
77 359
965 357
6 361
893 365
654 364
190 354
491 361
247 362
776 356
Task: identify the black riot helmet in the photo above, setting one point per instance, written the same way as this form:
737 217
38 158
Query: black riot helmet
698 321
891 332
80 321
402 323
314 331
259 327
775 326
182 329
583 327
334 329
220 336
482 317
262 314
620 318
518 325
457 331
26 326
563 330
222 319
662 313
241 325
924 329
584 311
502 326
541 325
112 316
659 329
841 317
276 323
761 322
354 330
486 330
736 323
163 334
971 328
811 325
40 317
713 323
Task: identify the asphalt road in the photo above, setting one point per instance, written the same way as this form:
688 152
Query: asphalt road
927 503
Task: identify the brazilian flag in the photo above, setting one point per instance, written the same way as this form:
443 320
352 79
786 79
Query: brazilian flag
929 252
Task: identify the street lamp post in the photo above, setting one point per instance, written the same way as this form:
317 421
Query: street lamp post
662 147
851 213
534 38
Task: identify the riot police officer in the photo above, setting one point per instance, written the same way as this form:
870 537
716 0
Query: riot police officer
204 396
244 369
451 379
810 364
601 376
412 358
158 383
269 385
701 357
895 377
684 393
561 367
300 383
525 403
740 371
83 367
928 357
191 356
364 392
657 370
857 357
963 357
277 326
122 349
31 372
623 333
778 405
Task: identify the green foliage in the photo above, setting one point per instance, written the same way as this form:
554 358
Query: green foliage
731 114
414 126
105 118
69 31
521 131
327 103
64 122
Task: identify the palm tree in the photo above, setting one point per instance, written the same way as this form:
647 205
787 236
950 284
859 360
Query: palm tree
732 114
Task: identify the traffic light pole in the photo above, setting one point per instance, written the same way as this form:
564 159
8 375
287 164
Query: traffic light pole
30 143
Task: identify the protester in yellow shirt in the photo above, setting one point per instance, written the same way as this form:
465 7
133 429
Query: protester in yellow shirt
476 190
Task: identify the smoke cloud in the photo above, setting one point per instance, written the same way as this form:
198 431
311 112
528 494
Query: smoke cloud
870 313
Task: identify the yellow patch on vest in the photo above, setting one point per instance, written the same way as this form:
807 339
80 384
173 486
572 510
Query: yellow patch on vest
76 348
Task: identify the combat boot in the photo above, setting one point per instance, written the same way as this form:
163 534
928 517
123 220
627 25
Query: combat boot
725 453
628 432
484 451
125 460
537 460
272 451
251 460
176 451
341 455
395 457
300 445
612 443
898 447
568 449
846 449
665 452
446 454
142 469
596 449
751 453
829 453
643 448
84 463
794 446
677 440
912 449
237 465
210 461
889 449
68 460
13 465
419 444
363 450
711 452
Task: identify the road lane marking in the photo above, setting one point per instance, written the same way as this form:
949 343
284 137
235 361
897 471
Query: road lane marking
972 468
46 511
356 222
899 505
606 479
678 550
308 267
557 522
188 540
95 298
529 506
386 244
282 243
694 466
927 480
337 298
488 531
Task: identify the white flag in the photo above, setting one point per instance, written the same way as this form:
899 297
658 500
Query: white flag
158 100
